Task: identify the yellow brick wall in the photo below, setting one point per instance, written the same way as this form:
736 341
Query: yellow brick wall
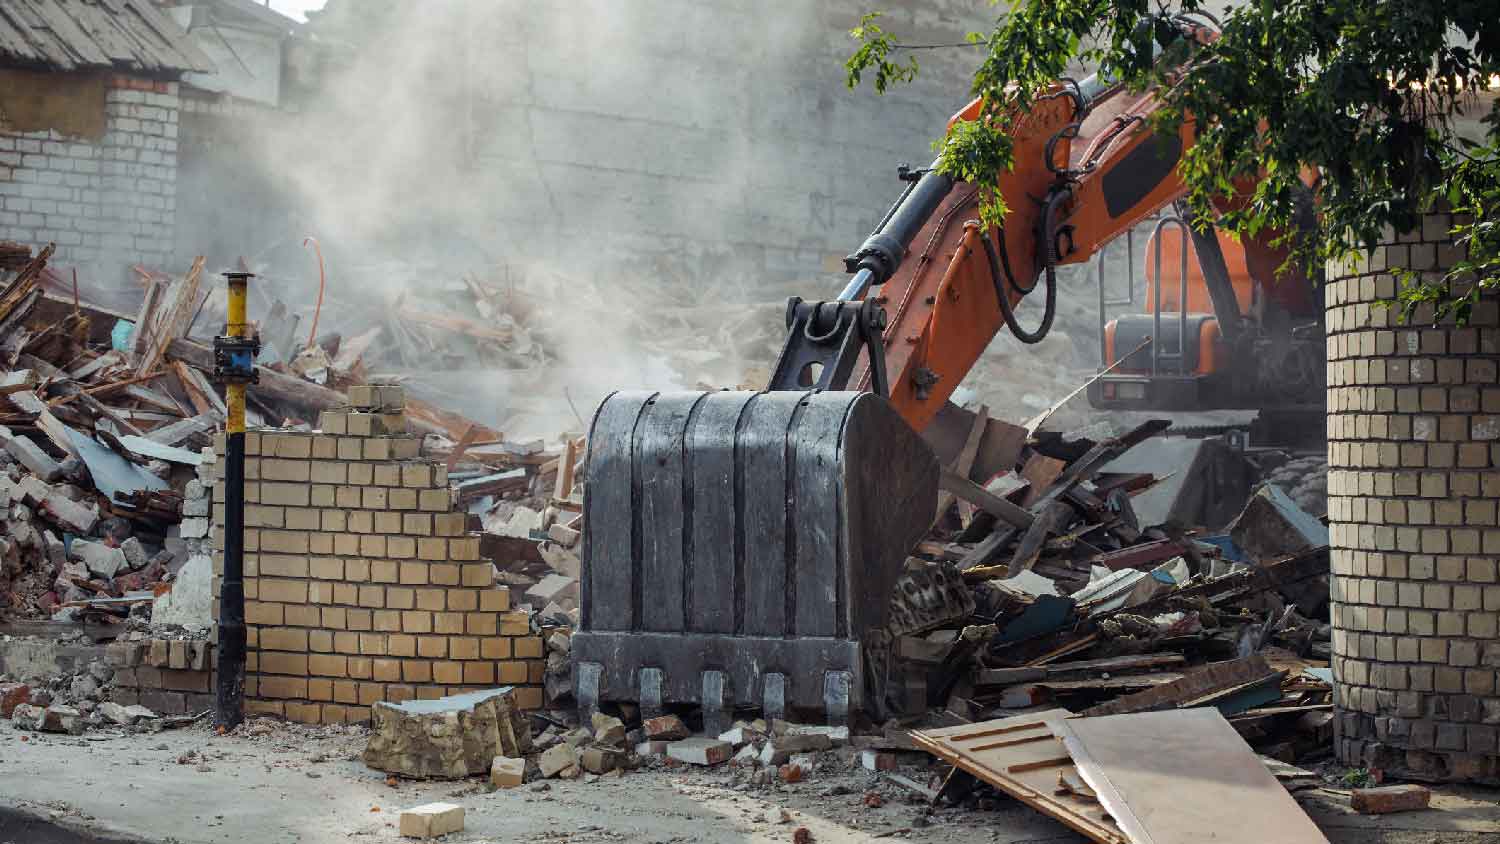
361 584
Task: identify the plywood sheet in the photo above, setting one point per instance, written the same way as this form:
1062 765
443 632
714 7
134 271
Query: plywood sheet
1183 776
1024 758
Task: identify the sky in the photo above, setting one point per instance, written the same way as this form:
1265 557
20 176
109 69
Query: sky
296 8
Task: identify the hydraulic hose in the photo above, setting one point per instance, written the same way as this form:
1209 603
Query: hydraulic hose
1000 264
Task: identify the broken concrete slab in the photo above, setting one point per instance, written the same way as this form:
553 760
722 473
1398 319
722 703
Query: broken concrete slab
432 820
700 751
559 760
135 554
190 601
838 736
125 716
31 455
447 738
1272 526
780 748
554 588
100 559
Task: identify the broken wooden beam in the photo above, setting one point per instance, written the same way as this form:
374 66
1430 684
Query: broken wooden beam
273 385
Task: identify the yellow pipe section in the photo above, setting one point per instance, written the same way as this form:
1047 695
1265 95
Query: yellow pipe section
237 326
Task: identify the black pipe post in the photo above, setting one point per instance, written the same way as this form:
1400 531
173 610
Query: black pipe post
234 366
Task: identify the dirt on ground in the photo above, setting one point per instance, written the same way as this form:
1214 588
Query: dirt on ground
276 783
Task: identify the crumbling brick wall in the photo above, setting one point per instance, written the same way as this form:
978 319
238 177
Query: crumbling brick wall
361 582
169 677
108 199
1413 446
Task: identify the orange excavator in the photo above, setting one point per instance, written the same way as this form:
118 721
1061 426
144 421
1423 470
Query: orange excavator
741 547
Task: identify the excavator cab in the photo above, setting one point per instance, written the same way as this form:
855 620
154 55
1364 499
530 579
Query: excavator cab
1207 336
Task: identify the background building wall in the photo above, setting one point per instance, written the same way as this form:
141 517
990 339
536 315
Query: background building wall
1414 442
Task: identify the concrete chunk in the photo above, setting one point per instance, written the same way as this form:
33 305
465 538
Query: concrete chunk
447 738
31 455
554 588
781 748
700 751
560 760
101 560
506 772
432 820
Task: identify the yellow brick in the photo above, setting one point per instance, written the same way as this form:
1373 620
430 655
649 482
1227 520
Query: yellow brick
448 622
464 550
284 470
431 599
413 574
252 444
293 446
321 592
361 619
345 642
515 623
320 543
283 541
320 640
318 689
438 500
346 593
400 598
283 639
321 496
260 707
275 662
387 521
399 694
443 574
416 621
479 673
528 647
463 600
378 449
494 648
364 396
346 544
361 474
431 692
372 545
388 621
372 596
335 617
480 575
284 591
496 599
334 714
401 547
282 687
283 495
416 475
346 691
447 672
387 474
417 524
536 671
405 448
386 670
327 568
463 648
510 672
528 699
448 524
373 497
357 570
416 672
402 499
482 624
346 497
350 448
329 473
325 448
432 647
361 521
385 571
401 645
432 549
332 422
281 565
372 643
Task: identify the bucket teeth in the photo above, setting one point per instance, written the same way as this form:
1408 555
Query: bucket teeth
741 545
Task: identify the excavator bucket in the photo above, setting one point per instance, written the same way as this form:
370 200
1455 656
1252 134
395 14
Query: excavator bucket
740 547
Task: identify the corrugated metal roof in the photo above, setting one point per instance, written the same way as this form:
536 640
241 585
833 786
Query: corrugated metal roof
130 35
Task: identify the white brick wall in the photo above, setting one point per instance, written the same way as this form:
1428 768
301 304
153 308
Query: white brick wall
105 203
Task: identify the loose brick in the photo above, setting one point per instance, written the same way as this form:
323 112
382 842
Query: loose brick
1388 799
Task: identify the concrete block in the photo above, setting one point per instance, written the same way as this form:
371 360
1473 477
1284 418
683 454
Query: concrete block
700 751
30 455
432 820
506 772
559 760
608 729
781 748
101 560
1390 798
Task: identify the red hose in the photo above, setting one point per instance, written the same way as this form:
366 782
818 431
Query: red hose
312 336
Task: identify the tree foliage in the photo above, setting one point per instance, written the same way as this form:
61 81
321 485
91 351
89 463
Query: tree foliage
1362 94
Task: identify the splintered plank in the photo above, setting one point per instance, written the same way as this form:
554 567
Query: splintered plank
964 462
170 319
1024 758
1204 683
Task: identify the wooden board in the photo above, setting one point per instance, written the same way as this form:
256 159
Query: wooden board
1023 757
1183 777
